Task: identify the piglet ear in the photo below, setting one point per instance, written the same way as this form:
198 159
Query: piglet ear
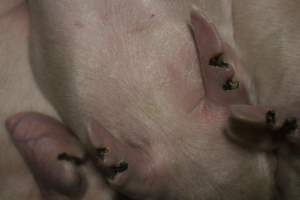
218 64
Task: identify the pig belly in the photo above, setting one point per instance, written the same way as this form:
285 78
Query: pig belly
133 67
132 56
21 92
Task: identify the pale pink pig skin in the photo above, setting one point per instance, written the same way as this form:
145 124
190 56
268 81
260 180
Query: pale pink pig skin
132 67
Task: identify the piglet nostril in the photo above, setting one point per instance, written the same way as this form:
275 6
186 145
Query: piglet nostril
218 61
231 85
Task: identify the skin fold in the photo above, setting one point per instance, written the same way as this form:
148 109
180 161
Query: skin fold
133 79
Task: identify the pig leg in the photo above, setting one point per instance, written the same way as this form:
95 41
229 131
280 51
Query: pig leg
53 155
275 131
288 154
128 168
41 141
252 127
263 128
218 63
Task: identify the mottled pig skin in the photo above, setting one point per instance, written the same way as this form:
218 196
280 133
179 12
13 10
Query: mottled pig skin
133 81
